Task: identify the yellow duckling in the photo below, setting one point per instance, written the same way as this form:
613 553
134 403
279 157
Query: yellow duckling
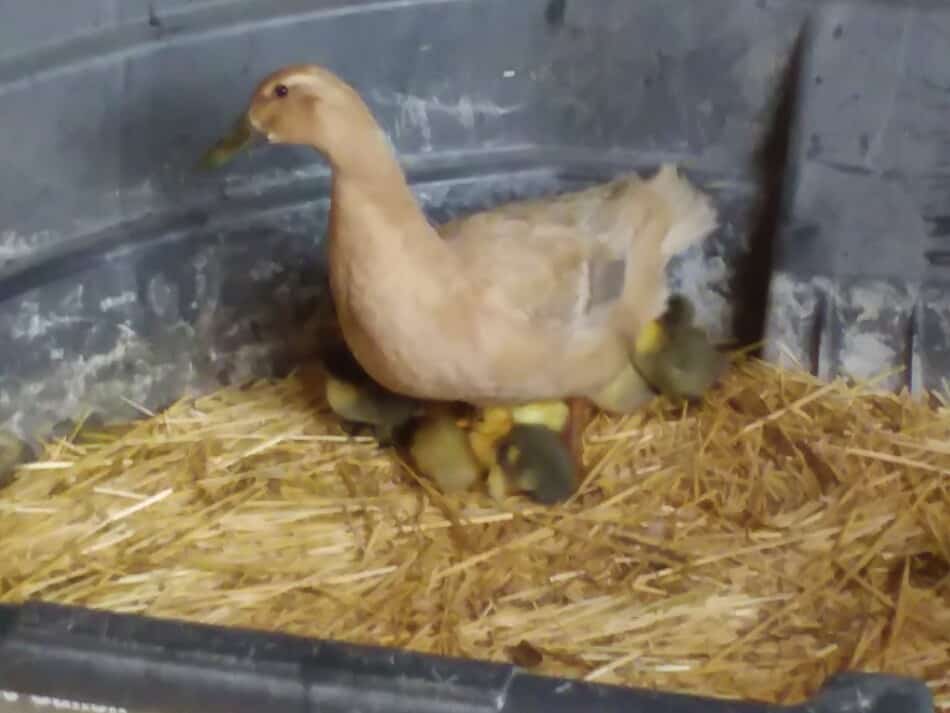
676 357
529 302
440 449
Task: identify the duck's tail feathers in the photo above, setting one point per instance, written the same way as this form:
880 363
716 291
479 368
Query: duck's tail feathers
693 214
677 216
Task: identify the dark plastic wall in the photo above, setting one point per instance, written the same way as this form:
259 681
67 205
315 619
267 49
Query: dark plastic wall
125 275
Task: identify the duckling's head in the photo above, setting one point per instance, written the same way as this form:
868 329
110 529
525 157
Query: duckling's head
660 332
302 104
676 356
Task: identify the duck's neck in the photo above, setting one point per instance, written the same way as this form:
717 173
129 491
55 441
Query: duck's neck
366 170
380 241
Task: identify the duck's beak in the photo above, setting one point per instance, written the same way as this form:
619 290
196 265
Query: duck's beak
241 136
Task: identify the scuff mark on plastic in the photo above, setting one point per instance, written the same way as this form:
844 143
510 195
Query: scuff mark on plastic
30 323
111 303
15 246
414 111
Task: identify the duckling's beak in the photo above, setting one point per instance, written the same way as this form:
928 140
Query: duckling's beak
241 136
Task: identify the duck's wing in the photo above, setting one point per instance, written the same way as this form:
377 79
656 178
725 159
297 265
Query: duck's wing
561 257
589 251
591 213
543 269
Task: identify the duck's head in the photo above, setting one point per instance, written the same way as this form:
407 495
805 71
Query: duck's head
301 104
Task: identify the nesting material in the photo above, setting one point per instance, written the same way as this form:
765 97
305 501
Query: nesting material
749 547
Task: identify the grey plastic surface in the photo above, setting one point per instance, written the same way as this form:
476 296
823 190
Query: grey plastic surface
125 276
70 656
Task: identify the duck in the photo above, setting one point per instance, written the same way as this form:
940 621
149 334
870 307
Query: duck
534 301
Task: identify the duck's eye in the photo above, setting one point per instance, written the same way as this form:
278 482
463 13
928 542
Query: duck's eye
281 90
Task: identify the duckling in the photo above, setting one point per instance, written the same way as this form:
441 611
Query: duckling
676 357
535 460
488 427
359 401
554 415
529 448
440 450
464 311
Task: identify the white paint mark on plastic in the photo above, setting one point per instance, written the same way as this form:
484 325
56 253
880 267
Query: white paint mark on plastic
110 303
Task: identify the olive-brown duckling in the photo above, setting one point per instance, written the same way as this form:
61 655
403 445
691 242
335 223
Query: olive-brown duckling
534 459
359 401
675 356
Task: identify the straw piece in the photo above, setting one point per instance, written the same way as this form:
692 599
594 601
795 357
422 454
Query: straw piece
747 547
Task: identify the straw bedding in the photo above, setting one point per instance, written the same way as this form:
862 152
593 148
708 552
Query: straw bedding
751 546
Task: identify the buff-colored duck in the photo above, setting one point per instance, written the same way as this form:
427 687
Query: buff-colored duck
532 301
